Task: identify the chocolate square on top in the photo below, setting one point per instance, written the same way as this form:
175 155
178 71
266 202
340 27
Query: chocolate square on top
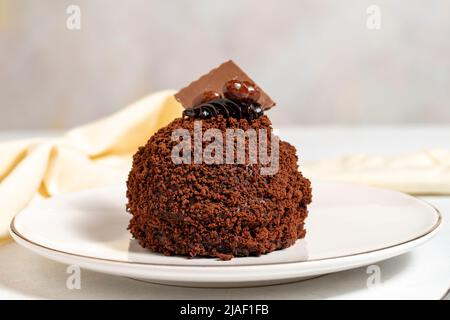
214 81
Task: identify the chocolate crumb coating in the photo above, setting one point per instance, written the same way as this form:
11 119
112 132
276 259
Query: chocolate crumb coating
215 210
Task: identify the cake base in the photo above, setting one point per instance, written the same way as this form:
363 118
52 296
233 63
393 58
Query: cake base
215 210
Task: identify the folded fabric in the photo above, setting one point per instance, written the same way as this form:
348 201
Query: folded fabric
420 173
92 155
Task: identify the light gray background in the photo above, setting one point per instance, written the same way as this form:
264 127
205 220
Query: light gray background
317 59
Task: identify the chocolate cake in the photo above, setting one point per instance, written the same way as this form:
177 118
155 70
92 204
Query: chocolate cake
222 206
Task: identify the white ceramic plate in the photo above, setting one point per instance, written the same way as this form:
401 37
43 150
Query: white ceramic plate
348 226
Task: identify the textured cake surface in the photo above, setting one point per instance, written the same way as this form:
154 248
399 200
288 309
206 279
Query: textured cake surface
215 210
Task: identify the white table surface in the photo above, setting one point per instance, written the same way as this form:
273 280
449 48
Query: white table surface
423 273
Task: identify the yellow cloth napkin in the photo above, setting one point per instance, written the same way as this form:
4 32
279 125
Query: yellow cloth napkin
420 173
92 155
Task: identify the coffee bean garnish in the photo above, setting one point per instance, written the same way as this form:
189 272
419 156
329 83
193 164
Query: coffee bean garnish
207 96
241 91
